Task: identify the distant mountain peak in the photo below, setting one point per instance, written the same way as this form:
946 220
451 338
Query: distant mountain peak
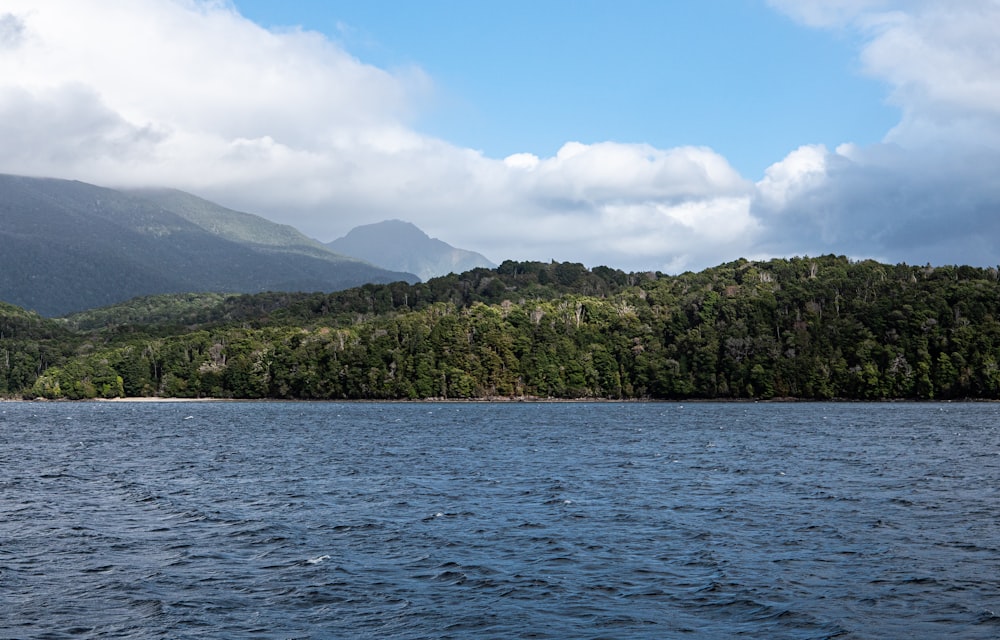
398 245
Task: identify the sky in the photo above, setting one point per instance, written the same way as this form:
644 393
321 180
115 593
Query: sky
663 135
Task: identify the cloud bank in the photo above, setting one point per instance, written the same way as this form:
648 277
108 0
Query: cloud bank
927 192
190 94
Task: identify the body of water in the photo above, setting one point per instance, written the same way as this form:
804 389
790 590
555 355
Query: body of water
567 520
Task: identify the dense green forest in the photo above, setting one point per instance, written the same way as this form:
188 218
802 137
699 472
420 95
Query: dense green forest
810 328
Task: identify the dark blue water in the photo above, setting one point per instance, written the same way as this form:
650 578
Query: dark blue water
290 520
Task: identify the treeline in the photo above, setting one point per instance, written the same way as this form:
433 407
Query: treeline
520 280
29 344
811 328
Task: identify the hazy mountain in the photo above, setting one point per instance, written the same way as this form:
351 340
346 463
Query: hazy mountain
401 246
67 246
244 228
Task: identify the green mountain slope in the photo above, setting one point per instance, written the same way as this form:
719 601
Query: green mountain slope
236 226
67 246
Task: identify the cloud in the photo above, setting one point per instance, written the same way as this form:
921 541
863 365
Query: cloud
11 31
287 124
64 126
939 59
201 68
944 66
609 171
633 204
884 202
193 95
802 170
829 13
928 191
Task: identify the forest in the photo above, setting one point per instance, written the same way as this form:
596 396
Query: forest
820 328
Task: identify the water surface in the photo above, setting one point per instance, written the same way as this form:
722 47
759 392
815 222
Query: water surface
326 520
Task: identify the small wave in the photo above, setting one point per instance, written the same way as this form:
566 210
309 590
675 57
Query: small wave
988 617
318 559
104 568
452 578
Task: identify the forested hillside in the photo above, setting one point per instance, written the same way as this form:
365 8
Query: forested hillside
812 328
29 343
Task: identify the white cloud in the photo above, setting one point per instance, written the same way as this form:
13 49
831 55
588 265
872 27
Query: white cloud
287 124
884 201
608 171
200 68
928 192
525 161
801 170
828 13
944 66
11 31
940 60
672 237
52 128
192 95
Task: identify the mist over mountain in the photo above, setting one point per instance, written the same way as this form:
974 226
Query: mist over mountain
67 246
401 246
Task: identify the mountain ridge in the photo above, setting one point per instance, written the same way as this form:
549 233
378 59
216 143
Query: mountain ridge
67 246
233 225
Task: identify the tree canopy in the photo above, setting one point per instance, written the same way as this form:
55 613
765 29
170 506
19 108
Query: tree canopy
811 328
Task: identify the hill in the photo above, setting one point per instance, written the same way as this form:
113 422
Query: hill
401 246
67 246
810 328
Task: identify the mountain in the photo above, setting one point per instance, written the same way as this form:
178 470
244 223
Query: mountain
401 246
67 246
236 226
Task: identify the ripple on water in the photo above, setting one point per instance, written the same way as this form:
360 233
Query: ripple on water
278 520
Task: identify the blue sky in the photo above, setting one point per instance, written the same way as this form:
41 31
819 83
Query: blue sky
640 134
528 76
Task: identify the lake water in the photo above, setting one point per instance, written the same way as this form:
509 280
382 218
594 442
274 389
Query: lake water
326 520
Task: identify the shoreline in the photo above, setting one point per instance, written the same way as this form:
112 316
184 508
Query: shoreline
505 400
